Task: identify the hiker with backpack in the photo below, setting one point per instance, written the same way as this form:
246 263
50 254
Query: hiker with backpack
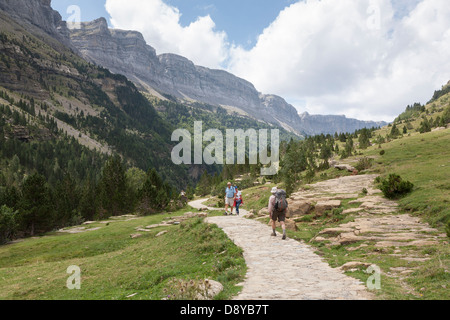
277 209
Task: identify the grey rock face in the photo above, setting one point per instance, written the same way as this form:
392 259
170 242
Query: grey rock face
127 53
38 13
318 124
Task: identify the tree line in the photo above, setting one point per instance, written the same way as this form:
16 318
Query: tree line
52 183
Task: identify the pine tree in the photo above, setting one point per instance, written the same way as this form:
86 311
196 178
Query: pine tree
204 185
155 194
113 188
35 208
364 139
395 132
425 126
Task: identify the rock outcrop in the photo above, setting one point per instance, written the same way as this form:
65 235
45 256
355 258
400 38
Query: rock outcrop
127 53
38 13
329 124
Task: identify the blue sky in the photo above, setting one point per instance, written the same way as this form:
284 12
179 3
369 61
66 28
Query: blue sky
90 9
242 20
367 59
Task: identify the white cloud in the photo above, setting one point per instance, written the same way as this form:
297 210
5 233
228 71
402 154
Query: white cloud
363 58
160 25
337 57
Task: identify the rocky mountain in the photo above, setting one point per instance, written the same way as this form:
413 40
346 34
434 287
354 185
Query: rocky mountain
49 86
317 124
126 52
38 13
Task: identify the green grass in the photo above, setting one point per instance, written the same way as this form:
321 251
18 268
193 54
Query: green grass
114 266
257 197
423 159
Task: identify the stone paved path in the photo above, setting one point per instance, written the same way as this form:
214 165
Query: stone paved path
284 270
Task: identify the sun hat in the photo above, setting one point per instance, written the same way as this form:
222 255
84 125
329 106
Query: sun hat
274 190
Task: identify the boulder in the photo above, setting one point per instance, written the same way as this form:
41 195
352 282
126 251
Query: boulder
323 206
162 233
348 238
250 216
299 208
354 265
209 289
263 212
345 167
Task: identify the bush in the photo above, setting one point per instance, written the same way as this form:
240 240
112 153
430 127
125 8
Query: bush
364 164
382 153
395 187
8 224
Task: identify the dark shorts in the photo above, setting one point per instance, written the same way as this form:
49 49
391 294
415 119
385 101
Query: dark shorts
280 216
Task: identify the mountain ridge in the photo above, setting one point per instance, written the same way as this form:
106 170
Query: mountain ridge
126 52
179 77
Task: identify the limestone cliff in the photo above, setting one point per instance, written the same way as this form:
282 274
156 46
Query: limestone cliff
127 53
38 13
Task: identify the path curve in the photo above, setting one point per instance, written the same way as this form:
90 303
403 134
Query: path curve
283 270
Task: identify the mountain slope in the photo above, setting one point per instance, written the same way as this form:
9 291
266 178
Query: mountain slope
318 124
89 103
126 52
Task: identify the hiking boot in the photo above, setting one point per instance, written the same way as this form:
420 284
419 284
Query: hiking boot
284 237
273 235
226 213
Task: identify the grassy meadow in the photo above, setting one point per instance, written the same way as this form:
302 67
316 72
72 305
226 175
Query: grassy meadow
116 267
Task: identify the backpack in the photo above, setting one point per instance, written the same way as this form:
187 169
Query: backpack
281 203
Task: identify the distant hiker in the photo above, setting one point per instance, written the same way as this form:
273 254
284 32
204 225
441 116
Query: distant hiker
277 210
238 201
230 194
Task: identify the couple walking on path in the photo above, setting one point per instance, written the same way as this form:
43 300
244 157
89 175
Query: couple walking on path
233 199
277 206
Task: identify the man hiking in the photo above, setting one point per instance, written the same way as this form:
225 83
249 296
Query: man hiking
277 210
230 194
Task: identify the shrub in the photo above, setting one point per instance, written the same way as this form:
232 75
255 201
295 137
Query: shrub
395 187
382 153
364 164
8 224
